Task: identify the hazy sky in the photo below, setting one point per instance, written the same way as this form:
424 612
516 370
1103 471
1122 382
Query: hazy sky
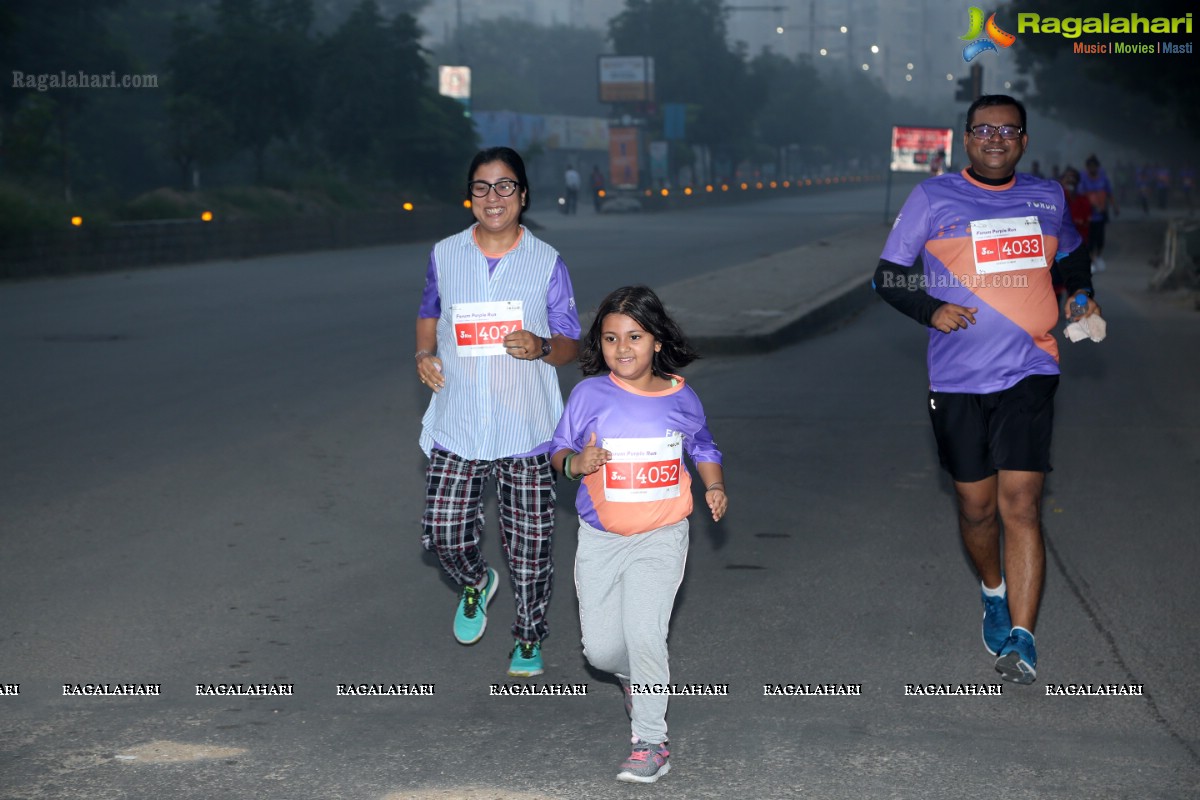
920 33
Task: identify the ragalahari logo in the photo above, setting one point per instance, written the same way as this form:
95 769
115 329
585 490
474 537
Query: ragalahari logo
994 37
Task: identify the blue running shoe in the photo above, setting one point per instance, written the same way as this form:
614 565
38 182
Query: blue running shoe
526 659
470 618
996 623
1018 657
646 764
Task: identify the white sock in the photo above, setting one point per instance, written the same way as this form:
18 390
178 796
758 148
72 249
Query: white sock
999 591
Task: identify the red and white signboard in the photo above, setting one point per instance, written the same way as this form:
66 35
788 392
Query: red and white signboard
454 82
916 149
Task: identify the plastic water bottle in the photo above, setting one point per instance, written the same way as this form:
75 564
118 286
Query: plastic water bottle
1079 305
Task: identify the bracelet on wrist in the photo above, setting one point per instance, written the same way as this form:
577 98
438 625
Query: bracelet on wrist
421 354
567 468
718 485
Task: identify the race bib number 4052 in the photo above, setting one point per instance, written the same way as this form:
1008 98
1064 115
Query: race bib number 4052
643 469
480 328
1006 245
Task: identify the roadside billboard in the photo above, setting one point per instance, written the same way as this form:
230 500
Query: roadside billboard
455 82
626 79
920 149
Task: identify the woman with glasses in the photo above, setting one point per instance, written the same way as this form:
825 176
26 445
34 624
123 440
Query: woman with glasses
497 316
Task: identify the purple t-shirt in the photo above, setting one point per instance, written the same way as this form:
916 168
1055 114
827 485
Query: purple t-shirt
611 409
1097 190
991 248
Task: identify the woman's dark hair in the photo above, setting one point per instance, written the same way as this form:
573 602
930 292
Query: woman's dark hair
511 159
642 305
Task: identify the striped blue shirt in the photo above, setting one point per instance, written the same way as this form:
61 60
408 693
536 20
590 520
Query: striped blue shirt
494 406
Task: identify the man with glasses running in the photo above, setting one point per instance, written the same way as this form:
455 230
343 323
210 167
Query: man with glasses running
986 238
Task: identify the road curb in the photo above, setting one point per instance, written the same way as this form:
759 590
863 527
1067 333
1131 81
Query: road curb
825 312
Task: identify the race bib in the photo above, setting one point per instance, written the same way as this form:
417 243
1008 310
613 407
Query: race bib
1006 245
643 469
480 328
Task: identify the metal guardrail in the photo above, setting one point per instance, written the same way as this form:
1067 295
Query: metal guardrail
1180 265
146 244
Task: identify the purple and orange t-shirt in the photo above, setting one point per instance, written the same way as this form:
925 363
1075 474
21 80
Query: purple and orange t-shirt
646 486
991 248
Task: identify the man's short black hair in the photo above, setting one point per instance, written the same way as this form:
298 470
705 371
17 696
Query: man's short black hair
988 100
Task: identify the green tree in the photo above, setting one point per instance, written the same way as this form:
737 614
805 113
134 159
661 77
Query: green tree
1143 101
793 92
67 37
532 69
256 67
371 74
198 134
377 113
694 64
858 113
434 149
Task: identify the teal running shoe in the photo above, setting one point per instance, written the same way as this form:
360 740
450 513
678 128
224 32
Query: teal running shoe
646 764
1018 657
470 618
526 659
997 624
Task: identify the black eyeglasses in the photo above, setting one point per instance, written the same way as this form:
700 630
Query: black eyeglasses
1005 131
504 188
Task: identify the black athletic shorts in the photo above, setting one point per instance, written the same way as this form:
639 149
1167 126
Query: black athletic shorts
978 434
1095 238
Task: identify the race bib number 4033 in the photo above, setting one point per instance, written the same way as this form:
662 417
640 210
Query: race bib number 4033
1007 245
480 328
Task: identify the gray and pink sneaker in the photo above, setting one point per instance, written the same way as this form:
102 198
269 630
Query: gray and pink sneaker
646 764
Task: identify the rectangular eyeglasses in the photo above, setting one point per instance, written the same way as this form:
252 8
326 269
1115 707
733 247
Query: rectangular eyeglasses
503 188
1005 131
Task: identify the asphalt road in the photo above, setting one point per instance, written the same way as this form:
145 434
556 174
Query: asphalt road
211 476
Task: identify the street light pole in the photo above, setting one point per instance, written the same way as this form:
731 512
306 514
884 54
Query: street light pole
776 9
813 27
458 28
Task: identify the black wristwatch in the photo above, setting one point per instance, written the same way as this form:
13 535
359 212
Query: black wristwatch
546 348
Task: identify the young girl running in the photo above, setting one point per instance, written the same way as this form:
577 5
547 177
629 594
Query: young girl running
624 433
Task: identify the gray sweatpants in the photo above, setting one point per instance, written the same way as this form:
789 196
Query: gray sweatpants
626 587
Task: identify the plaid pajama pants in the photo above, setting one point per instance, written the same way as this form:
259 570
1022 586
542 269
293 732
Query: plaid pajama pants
453 520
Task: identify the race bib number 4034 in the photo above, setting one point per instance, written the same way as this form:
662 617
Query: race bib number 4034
480 328
1006 245
643 469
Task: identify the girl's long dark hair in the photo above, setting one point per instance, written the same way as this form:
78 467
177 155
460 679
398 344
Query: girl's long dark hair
642 305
